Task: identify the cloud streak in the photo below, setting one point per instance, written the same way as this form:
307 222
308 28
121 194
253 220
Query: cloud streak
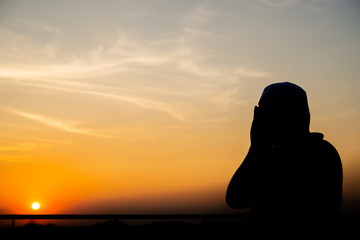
161 75
58 124
22 147
83 88
254 73
279 4
114 53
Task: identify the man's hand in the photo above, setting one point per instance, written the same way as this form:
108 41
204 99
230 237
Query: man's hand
259 133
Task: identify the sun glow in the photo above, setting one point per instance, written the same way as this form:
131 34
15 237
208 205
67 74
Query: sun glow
35 206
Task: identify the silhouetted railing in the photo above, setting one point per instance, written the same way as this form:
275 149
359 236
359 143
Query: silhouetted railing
204 217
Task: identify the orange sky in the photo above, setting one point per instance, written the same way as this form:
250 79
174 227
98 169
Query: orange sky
146 106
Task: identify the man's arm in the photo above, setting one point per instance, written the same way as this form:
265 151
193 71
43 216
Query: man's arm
238 192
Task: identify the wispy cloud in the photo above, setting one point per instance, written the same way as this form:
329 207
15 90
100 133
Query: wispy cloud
254 73
279 4
52 29
93 90
113 53
200 14
58 124
22 147
158 75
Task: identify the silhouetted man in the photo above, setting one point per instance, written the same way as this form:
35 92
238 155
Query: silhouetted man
289 176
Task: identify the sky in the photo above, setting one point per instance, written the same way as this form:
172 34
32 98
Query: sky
146 106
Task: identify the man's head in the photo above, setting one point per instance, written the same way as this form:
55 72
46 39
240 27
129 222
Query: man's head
286 111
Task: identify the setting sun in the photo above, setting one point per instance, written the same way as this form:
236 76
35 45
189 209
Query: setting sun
35 206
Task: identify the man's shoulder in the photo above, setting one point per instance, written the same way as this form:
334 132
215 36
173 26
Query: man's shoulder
324 147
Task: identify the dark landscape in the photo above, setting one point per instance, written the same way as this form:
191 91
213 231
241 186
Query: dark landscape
113 229
221 228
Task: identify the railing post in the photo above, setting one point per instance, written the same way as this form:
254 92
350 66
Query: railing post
13 223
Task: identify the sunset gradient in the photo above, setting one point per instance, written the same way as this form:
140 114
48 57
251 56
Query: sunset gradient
146 106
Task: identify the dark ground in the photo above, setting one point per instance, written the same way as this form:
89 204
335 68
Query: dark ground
349 228
118 230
